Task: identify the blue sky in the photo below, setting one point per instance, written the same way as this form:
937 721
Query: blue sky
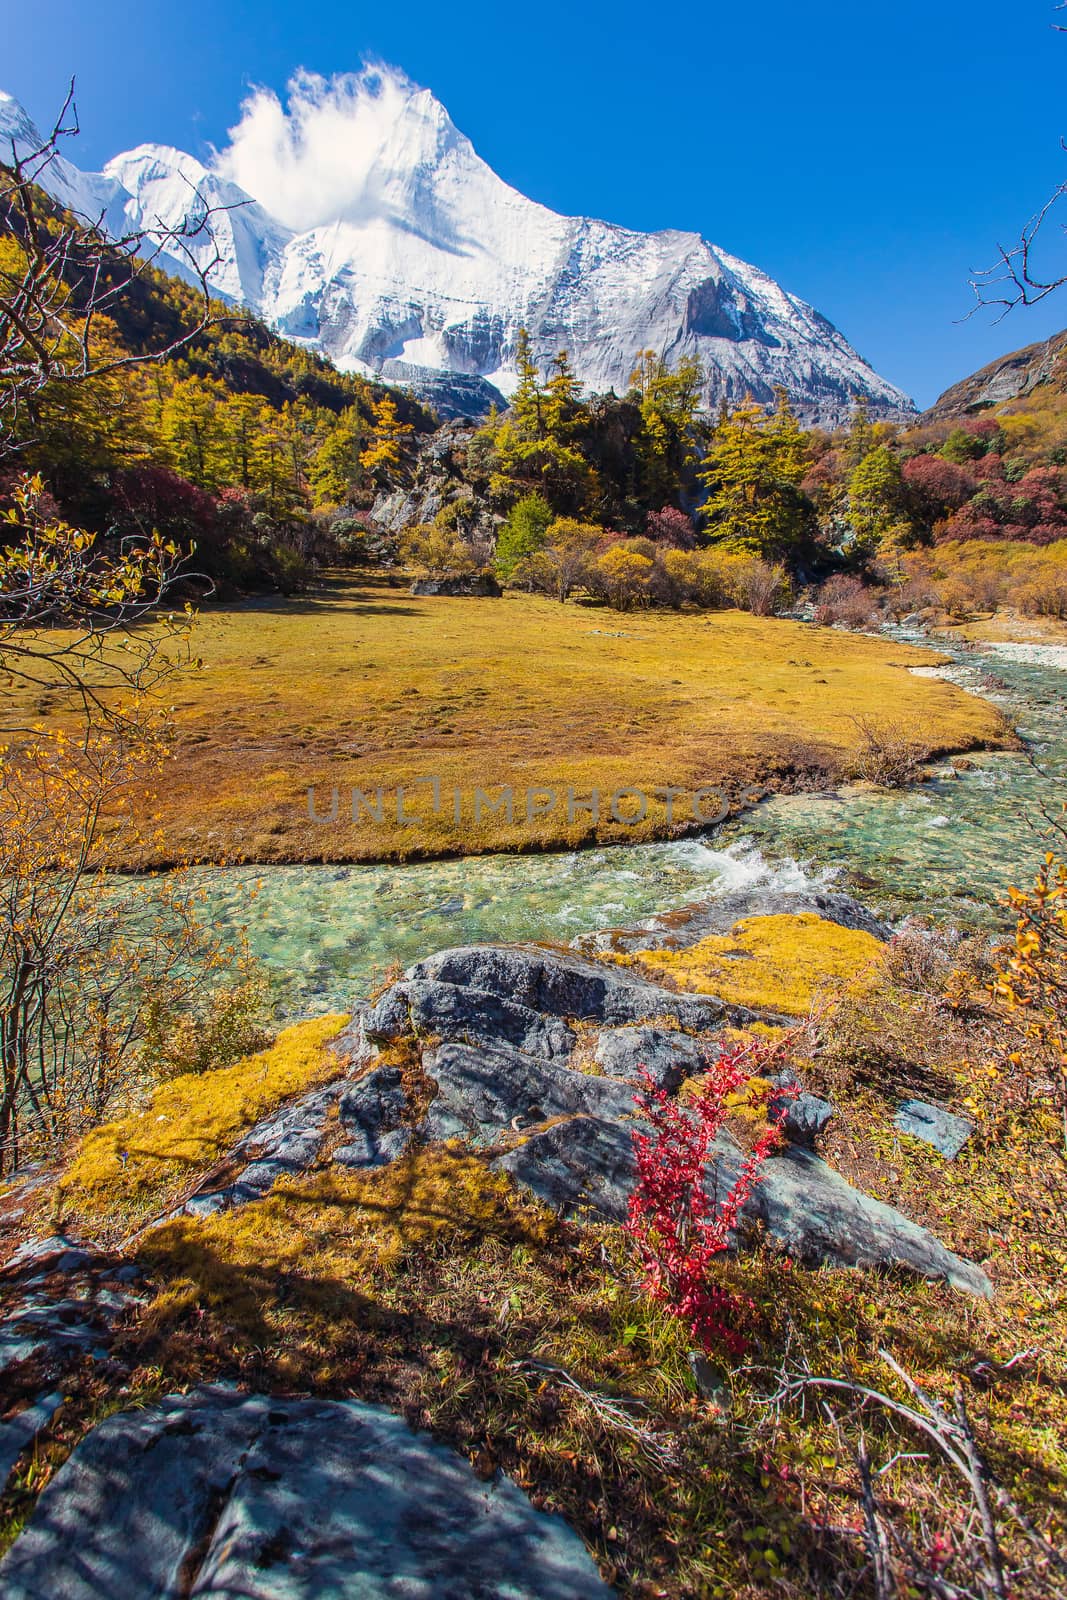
867 157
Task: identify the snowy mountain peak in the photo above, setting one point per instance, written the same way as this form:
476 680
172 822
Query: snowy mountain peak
356 216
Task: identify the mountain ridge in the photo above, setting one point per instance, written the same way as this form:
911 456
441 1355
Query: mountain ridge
390 245
1013 376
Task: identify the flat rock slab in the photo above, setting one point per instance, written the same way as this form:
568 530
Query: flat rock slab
234 1497
943 1130
282 1145
466 1014
810 1211
482 1093
57 1252
57 1307
559 984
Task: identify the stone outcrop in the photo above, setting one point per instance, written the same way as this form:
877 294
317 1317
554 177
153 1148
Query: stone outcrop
372 1114
246 1497
482 1093
586 1169
667 1056
531 1053
561 984
464 1012
501 1068
464 584
687 925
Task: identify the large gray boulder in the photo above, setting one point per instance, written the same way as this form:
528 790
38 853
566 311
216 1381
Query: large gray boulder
811 1212
808 1210
474 1016
668 1057
484 1093
559 984
241 1497
469 584
585 1166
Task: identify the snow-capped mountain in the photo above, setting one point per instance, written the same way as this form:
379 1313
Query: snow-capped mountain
360 219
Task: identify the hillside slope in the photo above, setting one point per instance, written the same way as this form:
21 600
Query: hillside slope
1010 377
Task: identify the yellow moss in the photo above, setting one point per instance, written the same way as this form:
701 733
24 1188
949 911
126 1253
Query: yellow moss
134 1164
779 963
328 1234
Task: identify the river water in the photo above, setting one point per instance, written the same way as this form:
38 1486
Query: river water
949 848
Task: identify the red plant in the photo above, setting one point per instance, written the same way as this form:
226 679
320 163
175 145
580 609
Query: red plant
671 527
676 1226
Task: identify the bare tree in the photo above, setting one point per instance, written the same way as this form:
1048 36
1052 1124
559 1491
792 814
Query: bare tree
66 273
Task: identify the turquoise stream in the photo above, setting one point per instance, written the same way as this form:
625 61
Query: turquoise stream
950 848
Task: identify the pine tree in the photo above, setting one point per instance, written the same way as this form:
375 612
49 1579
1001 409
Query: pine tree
752 471
560 408
524 532
336 468
875 497
668 400
860 431
526 412
189 429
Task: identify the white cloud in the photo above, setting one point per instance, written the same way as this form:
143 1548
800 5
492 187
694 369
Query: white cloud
326 154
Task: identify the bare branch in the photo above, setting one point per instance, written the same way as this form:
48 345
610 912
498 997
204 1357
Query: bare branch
66 274
1014 280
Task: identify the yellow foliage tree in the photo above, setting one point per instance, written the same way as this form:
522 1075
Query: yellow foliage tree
383 453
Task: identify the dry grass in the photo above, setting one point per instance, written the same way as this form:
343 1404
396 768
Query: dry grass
361 686
132 1168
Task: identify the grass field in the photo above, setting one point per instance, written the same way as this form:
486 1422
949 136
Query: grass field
365 686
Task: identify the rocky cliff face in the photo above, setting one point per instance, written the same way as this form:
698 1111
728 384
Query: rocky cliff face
394 248
1010 377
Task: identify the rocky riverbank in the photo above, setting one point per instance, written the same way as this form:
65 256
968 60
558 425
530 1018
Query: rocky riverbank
514 1069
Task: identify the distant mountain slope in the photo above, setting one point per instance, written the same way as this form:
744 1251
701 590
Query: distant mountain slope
417 258
1010 377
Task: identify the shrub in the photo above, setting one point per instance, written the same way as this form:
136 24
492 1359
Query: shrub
565 561
671 527
846 601
436 548
676 1227
1030 985
621 576
760 587
885 755
228 1024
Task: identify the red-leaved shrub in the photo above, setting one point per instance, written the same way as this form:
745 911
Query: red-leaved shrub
671 527
676 1226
